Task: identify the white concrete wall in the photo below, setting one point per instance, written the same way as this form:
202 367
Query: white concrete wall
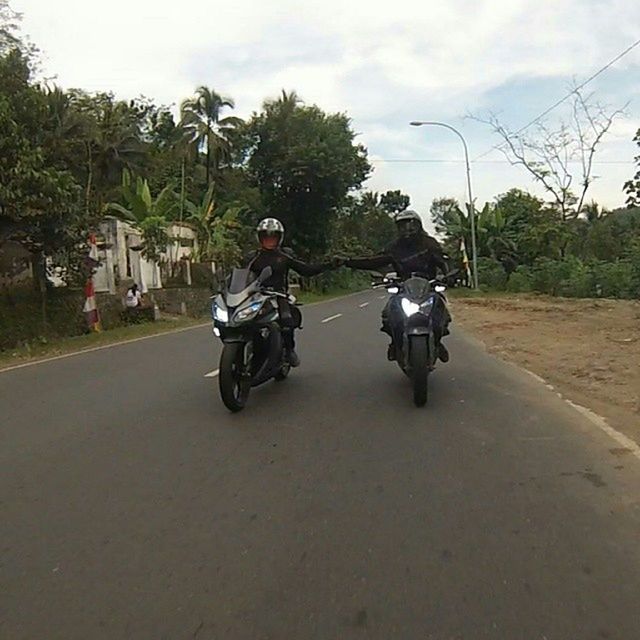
122 236
177 232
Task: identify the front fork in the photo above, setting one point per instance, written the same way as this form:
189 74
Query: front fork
407 337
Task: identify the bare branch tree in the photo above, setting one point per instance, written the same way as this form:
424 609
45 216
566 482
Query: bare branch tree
548 154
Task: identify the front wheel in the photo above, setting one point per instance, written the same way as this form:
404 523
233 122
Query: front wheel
234 384
419 362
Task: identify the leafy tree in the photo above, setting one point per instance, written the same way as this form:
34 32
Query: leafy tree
206 129
10 37
632 187
114 143
361 226
394 201
304 162
39 203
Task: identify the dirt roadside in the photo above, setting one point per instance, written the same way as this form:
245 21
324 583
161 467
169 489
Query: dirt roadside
589 350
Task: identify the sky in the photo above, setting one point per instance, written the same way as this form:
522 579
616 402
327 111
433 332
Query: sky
383 63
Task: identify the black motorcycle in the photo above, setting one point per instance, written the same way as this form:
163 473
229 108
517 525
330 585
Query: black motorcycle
246 319
414 315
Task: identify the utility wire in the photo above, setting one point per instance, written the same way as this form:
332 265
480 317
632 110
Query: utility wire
572 92
445 161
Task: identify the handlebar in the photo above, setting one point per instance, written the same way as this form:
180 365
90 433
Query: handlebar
277 294
394 282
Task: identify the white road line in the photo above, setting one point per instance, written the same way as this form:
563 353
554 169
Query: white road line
330 318
212 374
599 421
364 304
64 356
382 297
626 442
73 354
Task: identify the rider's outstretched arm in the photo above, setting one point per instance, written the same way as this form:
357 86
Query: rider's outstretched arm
306 269
371 262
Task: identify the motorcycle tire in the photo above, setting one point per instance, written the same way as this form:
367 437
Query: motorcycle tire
419 360
234 387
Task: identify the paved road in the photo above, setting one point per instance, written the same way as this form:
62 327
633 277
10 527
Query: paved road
132 505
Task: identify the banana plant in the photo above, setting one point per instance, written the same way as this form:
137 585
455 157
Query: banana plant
147 214
216 228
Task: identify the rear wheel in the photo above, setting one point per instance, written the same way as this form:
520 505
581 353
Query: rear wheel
234 385
419 360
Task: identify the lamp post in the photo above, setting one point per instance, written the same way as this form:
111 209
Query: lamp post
472 214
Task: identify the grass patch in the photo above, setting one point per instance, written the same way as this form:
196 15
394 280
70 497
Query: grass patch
48 348
61 346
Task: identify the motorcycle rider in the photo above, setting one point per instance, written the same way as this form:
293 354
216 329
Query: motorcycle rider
271 253
414 251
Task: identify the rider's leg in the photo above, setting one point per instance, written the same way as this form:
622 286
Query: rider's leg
386 328
443 318
290 319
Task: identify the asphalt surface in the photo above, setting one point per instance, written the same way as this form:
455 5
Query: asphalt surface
133 505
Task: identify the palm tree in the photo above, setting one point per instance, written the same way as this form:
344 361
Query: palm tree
206 129
116 145
370 200
286 102
68 135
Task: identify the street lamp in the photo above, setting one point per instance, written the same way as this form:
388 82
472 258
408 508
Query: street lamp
474 253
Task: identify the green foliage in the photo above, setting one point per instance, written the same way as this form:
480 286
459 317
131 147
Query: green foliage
521 280
632 187
394 201
206 130
150 215
491 274
525 245
362 226
139 203
154 236
217 230
39 203
304 162
617 279
573 278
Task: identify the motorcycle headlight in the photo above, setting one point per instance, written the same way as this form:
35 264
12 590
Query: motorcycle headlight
409 307
393 289
425 307
248 312
220 314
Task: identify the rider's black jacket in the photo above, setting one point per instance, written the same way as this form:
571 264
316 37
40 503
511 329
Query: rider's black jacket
417 254
280 261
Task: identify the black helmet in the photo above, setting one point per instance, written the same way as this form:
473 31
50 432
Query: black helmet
270 233
408 223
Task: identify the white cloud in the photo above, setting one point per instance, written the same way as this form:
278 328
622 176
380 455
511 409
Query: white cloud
384 63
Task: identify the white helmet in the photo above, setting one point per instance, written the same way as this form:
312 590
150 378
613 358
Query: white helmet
270 233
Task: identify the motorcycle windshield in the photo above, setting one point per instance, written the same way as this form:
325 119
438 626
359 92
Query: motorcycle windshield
240 280
417 288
